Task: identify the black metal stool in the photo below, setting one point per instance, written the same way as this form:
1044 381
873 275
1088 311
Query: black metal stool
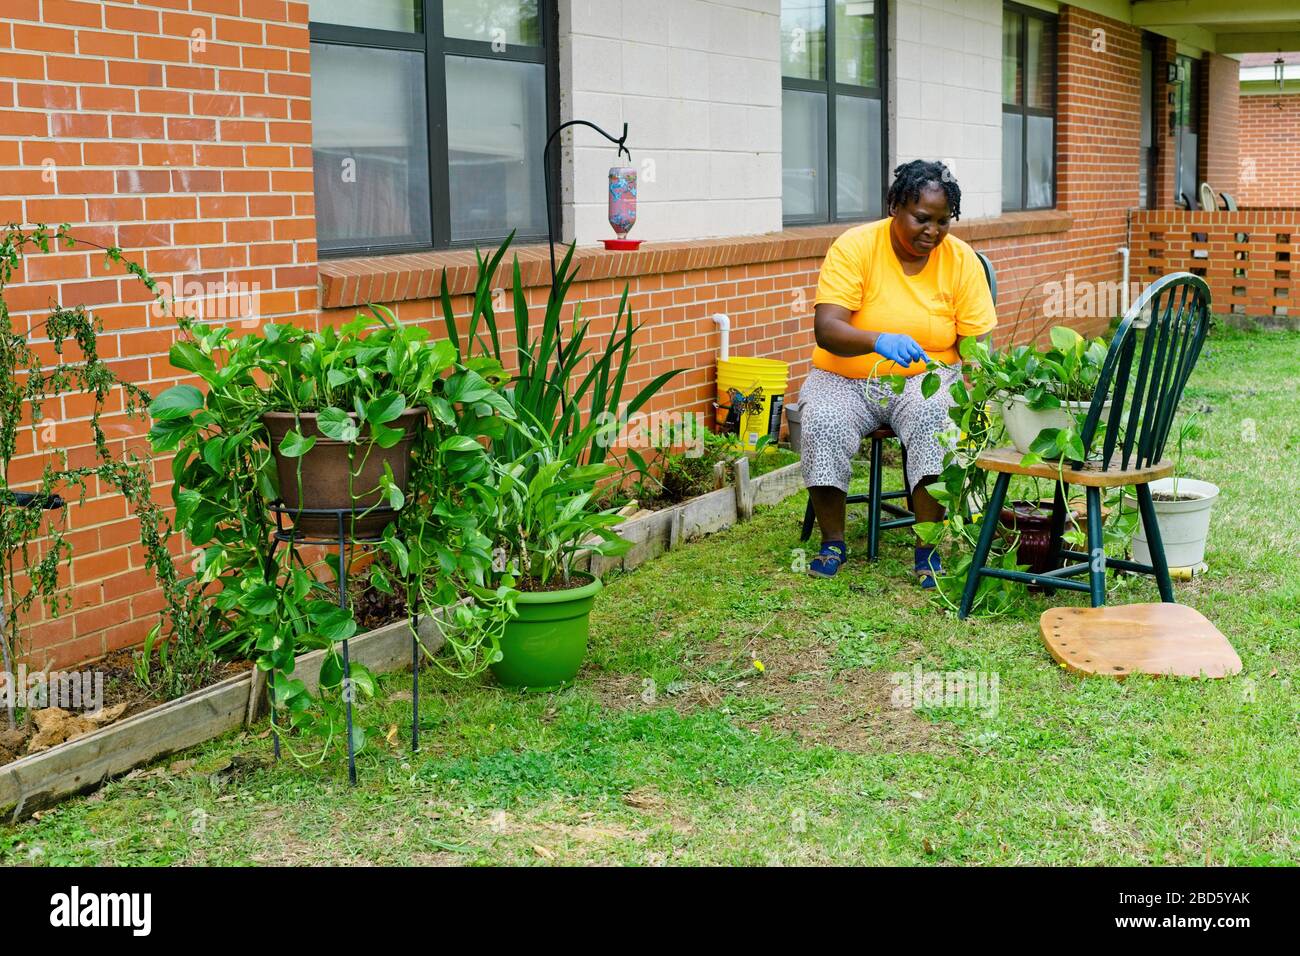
876 499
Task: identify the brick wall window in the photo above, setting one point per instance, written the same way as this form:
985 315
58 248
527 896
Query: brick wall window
1151 85
429 118
1028 108
833 126
1187 126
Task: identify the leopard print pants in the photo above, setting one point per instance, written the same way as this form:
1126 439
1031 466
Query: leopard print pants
838 412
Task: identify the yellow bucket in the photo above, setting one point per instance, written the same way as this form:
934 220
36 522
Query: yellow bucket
760 385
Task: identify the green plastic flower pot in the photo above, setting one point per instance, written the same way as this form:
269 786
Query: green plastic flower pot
545 645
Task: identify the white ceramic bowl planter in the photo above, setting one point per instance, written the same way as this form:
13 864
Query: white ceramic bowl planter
1184 524
1024 423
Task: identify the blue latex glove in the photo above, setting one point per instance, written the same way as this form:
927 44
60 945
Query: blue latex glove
899 348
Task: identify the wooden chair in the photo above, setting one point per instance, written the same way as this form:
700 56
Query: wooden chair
880 502
1180 318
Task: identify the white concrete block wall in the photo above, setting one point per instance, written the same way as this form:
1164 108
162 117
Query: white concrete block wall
699 83
946 103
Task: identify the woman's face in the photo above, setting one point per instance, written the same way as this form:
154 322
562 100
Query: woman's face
921 225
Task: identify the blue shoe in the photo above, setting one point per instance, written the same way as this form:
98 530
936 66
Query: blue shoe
828 560
927 566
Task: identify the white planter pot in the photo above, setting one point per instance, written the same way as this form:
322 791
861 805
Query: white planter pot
1024 423
1184 525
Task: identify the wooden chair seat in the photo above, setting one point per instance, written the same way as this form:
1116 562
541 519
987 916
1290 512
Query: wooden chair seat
1007 460
1166 640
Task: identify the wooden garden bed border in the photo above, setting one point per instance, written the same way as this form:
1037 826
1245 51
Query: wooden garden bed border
664 530
37 781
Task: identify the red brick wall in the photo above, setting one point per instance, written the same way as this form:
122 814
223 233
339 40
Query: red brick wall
1270 151
1218 137
179 130
1098 144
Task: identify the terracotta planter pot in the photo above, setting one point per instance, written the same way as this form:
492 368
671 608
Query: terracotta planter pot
326 469
1033 523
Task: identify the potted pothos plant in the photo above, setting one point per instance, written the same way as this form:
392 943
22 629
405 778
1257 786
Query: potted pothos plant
547 519
1042 394
407 426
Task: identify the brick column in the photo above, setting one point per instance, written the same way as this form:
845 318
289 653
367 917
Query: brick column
1219 136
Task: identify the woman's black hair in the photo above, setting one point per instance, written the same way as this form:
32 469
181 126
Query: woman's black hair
911 178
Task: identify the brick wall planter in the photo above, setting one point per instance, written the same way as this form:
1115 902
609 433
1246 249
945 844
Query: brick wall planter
42 779
1247 257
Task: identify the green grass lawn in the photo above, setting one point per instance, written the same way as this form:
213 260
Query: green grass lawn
675 748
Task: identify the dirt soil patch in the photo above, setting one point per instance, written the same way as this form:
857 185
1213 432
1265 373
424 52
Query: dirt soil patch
798 692
123 698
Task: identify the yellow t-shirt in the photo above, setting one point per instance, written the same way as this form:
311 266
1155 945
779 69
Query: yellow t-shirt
947 300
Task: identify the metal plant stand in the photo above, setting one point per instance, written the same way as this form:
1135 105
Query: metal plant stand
343 542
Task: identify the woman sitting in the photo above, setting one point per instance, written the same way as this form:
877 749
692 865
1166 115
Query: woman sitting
892 295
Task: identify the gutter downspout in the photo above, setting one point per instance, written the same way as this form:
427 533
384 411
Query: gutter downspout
723 322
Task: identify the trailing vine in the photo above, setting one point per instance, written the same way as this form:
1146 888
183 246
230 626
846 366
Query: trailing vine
32 547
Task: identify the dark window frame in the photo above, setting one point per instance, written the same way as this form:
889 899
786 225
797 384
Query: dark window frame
1151 44
1024 110
435 48
830 88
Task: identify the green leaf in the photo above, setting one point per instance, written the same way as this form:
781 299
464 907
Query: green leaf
1064 339
212 453
260 600
458 443
385 408
379 579
167 436
336 624
1046 442
443 411
294 445
187 357
929 384
363 680
386 437
340 376
331 671
337 424
179 401
397 551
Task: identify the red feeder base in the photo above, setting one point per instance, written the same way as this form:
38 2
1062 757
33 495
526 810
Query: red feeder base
622 244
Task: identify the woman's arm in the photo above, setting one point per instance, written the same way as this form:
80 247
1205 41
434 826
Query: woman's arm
833 330
836 334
